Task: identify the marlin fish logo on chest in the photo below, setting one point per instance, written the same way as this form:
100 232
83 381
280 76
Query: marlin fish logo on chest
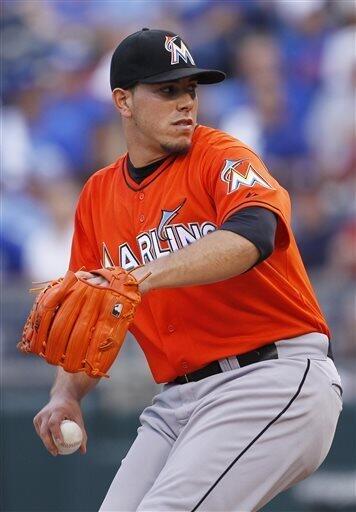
166 217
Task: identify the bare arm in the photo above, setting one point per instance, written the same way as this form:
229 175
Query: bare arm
66 394
72 385
216 257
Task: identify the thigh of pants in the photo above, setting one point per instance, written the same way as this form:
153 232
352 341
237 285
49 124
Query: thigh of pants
248 435
138 471
256 437
147 456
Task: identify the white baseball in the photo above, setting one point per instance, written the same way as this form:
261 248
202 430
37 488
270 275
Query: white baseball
72 437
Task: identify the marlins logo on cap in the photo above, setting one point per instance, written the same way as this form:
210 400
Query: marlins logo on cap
176 51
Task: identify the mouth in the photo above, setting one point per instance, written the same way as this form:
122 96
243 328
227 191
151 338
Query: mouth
184 122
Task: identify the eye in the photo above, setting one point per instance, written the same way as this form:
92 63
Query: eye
173 91
168 90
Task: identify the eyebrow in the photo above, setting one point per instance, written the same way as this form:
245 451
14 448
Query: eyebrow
175 82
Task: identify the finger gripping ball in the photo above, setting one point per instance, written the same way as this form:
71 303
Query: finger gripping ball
72 437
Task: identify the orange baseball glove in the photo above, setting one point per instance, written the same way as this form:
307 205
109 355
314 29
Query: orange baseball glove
80 326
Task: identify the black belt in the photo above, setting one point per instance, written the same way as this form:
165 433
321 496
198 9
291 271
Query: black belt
255 356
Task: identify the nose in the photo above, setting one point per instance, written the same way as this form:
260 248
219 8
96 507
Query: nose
186 102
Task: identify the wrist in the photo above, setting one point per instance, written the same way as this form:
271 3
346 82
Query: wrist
72 386
57 395
144 276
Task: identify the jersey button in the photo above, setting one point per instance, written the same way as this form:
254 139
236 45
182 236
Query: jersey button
141 196
171 328
185 366
141 217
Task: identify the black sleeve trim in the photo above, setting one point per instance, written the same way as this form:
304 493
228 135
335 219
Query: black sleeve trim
258 225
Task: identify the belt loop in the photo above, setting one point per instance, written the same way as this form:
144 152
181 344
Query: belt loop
234 363
225 364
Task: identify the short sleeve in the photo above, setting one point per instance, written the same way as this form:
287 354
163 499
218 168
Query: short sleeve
237 178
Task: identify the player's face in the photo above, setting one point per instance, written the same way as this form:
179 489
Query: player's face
165 114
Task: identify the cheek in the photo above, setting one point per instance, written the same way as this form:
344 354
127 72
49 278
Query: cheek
151 117
195 109
160 121
140 120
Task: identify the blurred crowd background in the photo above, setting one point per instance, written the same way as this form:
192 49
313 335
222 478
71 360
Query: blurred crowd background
290 94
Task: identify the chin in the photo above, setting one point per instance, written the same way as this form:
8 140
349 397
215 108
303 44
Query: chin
177 147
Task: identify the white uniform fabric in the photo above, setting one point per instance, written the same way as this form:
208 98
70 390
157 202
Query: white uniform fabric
233 441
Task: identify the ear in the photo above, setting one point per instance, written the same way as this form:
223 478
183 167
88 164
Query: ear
123 101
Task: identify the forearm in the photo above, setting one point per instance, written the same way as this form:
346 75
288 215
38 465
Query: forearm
216 257
72 385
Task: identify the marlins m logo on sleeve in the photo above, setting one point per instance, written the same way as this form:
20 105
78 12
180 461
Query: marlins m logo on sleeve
238 173
177 52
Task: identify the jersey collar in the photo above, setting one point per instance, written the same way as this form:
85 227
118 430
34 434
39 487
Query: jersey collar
144 183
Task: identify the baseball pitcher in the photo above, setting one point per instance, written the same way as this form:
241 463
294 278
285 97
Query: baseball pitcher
186 241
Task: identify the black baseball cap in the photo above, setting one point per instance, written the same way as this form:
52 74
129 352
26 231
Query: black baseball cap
153 56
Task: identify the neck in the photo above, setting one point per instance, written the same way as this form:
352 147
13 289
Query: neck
140 157
141 152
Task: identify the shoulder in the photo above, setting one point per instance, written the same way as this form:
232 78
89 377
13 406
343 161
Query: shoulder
103 176
214 149
214 141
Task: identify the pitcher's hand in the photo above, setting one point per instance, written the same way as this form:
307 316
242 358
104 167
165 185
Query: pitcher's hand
47 421
91 278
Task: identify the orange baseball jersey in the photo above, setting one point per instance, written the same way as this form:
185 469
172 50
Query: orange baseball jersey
120 222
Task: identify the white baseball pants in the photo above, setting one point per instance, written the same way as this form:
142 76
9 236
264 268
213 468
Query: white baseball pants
233 441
